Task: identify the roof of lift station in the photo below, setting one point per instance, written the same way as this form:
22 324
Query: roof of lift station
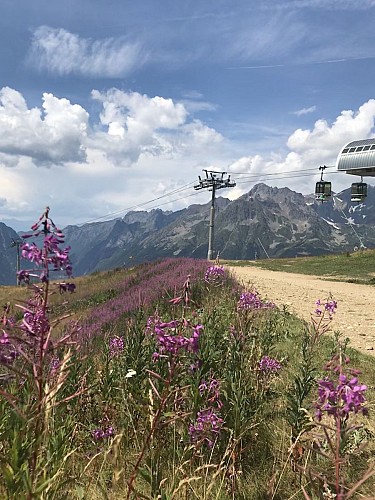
358 158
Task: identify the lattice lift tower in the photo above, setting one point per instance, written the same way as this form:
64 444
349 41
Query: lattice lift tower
213 182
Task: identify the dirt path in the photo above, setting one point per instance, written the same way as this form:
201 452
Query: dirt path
355 316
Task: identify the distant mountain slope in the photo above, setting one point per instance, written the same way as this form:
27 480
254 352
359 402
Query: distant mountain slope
279 222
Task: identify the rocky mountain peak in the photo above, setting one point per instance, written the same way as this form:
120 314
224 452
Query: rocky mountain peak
278 221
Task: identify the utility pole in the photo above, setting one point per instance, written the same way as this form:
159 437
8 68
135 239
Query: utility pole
213 182
17 243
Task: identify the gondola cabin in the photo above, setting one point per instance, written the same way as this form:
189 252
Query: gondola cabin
358 191
323 190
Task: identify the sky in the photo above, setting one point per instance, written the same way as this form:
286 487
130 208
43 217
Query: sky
108 106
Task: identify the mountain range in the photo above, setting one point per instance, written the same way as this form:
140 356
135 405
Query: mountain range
266 221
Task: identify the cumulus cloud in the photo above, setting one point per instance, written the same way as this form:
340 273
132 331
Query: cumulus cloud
158 138
324 139
309 148
51 135
62 52
131 125
135 124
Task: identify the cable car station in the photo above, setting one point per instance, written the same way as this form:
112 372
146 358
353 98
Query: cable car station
356 158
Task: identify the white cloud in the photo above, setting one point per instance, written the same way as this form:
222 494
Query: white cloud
304 111
154 135
309 148
62 52
131 125
136 124
164 145
324 139
51 135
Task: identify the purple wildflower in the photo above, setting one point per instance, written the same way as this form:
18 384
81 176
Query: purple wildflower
206 427
116 346
35 320
269 365
211 390
250 301
9 357
4 339
103 433
215 275
50 254
170 338
340 399
328 306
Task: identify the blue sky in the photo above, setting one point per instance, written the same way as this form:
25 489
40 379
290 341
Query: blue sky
106 105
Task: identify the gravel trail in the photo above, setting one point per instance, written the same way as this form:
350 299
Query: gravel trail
355 316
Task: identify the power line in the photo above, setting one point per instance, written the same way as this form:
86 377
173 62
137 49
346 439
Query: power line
118 212
280 176
253 178
277 173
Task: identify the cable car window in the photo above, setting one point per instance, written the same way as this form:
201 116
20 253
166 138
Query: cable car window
345 150
351 150
366 148
360 148
372 147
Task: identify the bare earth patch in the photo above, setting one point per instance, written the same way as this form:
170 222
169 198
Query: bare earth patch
355 316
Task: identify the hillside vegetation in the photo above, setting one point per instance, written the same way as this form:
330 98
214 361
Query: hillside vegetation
176 383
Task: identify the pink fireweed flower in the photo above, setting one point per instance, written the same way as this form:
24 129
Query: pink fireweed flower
50 255
250 301
32 253
269 365
342 398
215 275
328 306
35 322
8 352
103 433
206 427
4 339
116 346
170 336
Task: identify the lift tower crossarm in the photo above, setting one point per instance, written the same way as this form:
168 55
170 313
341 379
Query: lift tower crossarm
213 181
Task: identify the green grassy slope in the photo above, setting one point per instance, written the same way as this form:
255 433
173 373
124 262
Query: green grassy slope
356 267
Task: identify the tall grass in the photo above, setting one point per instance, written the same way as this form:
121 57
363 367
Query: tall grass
184 386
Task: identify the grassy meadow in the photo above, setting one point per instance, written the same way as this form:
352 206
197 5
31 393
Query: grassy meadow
356 267
171 381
